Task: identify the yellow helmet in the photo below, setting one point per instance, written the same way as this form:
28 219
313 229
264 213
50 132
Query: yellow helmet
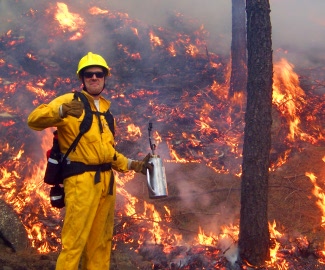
92 59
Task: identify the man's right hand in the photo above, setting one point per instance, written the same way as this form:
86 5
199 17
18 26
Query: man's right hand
73 108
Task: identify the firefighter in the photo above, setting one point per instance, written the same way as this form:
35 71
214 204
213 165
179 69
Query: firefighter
89 217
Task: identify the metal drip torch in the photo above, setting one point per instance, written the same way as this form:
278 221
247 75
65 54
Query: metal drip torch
156 178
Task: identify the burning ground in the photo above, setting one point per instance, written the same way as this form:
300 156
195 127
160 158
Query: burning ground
169 77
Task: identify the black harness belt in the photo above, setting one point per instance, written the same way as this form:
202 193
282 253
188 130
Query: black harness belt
75 168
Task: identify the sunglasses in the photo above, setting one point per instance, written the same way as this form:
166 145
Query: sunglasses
89 75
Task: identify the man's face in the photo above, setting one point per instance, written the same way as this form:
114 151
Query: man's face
94 80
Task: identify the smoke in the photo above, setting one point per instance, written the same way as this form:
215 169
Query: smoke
298 30
297 25
215 16
229 249
188 192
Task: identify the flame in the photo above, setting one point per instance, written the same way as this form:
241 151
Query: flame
20 197
176 157
192 50
151 213
97 11
320 195
130 206
68 21
30 56
135 31
229 232
7 123
135 56
288 96
282 159
161 234
155 229
134 131
274 234
219 90
206 240
172 49
157 139
275 258
155 40
38 91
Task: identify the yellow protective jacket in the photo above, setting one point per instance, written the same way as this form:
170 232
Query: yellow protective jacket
94 147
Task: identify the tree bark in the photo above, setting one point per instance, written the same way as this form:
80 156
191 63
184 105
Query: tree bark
238 77
254 236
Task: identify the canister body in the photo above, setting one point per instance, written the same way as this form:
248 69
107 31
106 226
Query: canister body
157 183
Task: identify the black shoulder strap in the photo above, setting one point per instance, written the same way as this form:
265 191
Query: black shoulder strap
87 121
85 124
110 121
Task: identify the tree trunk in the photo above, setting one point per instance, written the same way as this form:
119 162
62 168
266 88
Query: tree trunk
254 234
238 77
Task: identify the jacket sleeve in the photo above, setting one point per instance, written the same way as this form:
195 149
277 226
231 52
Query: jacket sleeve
121 163
47 115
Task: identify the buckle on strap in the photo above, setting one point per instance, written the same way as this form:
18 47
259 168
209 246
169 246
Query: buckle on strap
99 168
75 168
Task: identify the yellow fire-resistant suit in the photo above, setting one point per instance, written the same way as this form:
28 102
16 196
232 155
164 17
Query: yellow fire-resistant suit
88 224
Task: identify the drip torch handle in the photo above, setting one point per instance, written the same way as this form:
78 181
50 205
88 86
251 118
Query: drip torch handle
152 145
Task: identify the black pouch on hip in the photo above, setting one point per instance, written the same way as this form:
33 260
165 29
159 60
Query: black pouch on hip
53 172
57 196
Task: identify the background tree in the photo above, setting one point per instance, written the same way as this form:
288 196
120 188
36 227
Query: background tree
254 238
238 77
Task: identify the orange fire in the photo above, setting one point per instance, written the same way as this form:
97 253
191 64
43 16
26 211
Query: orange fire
156 41
171 49
97 11
320 195
68 21
288 96
134 131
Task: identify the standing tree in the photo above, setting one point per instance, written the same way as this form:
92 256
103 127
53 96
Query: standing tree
238 77
254 236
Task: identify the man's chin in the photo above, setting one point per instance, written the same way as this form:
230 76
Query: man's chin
94 92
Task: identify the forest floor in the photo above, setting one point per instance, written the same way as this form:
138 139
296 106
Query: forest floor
200 198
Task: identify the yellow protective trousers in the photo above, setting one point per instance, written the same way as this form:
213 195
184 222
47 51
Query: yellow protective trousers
88 224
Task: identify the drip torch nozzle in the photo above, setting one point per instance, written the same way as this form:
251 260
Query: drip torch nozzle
152 145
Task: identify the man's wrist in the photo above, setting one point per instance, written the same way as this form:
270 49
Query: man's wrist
129 163
60 111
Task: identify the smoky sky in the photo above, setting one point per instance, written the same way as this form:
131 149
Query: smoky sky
298 26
